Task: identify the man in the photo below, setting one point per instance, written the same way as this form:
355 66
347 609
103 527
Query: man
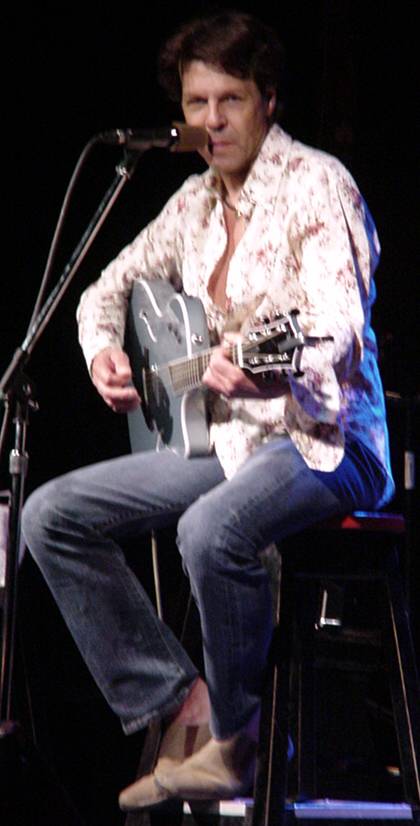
272 224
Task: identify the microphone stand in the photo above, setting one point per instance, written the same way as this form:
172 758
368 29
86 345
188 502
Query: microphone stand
17 394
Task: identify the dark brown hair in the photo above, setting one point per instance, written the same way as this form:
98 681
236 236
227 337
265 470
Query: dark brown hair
234 41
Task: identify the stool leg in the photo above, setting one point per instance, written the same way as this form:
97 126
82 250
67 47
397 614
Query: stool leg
307 595
405 687
271 774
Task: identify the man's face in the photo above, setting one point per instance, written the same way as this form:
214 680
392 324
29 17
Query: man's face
234 113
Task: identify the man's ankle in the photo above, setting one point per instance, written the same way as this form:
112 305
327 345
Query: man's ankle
195 710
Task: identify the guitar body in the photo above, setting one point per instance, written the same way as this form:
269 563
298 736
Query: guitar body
163 325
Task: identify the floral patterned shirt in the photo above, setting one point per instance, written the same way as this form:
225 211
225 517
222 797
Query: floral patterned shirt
310 244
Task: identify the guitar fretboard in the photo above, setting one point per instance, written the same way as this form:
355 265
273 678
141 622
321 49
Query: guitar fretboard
186 374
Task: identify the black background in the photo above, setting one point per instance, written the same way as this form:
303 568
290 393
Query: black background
350 90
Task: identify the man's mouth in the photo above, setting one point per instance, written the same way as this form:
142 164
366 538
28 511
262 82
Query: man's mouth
215 145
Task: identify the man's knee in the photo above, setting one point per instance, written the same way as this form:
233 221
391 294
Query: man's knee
43 511
209 539
196 539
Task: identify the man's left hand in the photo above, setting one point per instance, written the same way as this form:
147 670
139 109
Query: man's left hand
227 379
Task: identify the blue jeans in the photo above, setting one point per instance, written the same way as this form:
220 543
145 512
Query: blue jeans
74 525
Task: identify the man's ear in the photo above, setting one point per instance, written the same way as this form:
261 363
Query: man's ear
271 102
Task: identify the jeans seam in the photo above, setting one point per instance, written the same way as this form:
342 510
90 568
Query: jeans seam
122 517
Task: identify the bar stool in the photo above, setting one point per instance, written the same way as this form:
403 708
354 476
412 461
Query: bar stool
361 547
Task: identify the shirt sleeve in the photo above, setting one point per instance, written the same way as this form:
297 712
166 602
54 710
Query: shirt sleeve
155 253
336 250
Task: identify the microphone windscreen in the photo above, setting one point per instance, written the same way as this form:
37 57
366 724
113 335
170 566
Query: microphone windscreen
190 138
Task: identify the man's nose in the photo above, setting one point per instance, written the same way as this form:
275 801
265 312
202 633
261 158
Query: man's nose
215 117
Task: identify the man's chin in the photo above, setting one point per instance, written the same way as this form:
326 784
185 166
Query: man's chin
224 164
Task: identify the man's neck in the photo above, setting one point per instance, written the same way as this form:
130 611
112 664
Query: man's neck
231 189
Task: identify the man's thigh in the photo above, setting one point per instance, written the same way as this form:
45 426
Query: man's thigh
132 493
273 495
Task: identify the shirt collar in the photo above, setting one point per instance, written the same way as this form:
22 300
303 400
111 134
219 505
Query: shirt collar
262 184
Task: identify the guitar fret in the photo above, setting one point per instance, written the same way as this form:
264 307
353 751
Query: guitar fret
195 375
187 374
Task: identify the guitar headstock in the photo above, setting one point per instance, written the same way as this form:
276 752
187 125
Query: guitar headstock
273 343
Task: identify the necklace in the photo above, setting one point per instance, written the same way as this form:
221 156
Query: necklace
231 207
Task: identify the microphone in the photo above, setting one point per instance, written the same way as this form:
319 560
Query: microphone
177 138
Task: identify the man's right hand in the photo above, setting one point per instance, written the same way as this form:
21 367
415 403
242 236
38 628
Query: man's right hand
111 375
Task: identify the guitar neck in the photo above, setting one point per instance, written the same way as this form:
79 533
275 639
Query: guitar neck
187 373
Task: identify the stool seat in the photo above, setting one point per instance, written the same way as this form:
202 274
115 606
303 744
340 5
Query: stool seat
365 521
364 547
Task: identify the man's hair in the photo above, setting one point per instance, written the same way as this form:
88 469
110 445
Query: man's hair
233 41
